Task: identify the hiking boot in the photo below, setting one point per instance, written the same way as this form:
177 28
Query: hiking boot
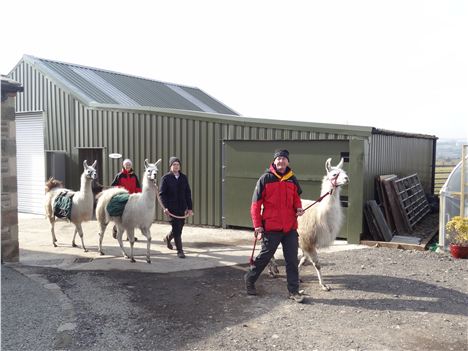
297 297
180 254
167 241
249 287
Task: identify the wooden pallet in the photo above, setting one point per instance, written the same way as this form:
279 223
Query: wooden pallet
412 199
394 208
376 222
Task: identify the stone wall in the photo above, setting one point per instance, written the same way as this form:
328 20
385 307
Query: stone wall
9 203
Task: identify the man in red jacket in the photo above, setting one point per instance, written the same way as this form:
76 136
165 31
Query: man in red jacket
276 203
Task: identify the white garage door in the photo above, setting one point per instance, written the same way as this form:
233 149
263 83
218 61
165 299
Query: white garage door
30 162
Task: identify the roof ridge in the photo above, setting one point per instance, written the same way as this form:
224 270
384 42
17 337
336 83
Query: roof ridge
109 71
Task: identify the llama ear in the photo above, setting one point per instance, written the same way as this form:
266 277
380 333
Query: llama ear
85 164
328 165
146 163
94 164
340 165
158 162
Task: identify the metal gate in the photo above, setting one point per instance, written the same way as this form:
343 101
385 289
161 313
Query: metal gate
245 161
30 162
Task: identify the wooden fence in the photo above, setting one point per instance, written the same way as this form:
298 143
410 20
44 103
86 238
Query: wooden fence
442 171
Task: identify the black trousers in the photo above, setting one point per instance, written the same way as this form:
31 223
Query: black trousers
270 243
177 224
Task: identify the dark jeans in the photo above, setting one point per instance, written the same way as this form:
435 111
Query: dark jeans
177 225
270 243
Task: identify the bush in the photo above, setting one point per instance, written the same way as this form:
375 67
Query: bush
457 230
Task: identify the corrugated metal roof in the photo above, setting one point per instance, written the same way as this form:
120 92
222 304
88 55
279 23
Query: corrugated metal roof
97 86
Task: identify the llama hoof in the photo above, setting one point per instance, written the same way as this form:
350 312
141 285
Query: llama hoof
148 260
85 250
74 245
132 260
101 253
326 288
55 245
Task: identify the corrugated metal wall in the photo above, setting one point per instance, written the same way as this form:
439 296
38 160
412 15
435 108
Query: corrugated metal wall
196 140
400 155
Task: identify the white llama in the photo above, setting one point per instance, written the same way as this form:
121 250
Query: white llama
82 202
322 221
138 212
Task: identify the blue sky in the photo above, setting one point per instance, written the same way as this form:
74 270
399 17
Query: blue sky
398 65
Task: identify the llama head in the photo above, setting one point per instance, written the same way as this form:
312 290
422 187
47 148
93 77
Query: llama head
90 171
151 170
336 175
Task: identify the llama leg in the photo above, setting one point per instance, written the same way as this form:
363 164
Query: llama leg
147 233
301 263
120 232
131 240
52 230
80 232
102 227
74 236
273 270
316 263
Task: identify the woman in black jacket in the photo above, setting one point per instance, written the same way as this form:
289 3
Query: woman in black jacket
176 197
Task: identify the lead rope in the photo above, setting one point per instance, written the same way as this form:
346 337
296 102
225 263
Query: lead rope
332 181
162 206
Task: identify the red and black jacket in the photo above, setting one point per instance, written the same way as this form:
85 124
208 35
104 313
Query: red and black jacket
127 180
280 197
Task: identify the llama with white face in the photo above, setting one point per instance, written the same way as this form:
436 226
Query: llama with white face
82 202
322 221
138 212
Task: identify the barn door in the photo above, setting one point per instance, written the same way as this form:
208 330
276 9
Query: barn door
245 161
91 155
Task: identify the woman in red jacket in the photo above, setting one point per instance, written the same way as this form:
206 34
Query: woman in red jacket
128 180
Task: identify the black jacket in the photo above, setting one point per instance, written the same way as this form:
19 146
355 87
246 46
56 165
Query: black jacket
175 193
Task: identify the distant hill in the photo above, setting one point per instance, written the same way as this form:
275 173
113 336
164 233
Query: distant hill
449 150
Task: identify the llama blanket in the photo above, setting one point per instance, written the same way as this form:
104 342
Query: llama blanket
116 205
63 205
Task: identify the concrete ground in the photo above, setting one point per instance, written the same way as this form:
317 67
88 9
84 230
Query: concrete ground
205 247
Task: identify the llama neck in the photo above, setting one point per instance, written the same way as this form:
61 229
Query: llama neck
148 189
334 197
85 187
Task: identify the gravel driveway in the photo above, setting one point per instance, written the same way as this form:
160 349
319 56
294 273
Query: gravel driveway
381 299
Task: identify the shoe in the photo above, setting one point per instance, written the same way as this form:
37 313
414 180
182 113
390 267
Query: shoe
249 287
296 297
181 254
168 243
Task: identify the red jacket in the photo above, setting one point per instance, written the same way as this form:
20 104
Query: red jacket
127 180
279 196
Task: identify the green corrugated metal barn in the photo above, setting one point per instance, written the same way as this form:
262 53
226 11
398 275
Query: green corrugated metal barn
88 113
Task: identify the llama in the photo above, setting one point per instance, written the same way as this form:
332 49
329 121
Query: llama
138 211
82 202
320 224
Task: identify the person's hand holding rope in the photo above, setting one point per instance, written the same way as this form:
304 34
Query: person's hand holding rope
258 233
